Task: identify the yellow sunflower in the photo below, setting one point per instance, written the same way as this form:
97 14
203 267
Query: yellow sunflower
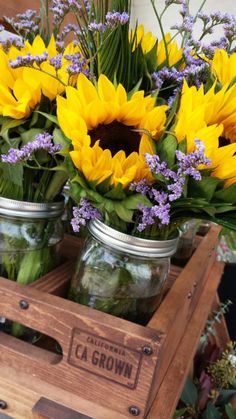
175 54
196 109
215 107
224 66
147 41
108 130
21 88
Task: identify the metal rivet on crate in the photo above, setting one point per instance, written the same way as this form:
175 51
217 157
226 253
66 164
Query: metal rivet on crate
134 410
194 284
3 404
24 304
147 350
190 295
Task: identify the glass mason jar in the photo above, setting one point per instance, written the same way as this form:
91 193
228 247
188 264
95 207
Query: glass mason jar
30 235
186 242
121 274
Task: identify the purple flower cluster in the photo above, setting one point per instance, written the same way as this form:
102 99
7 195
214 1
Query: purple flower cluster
12 41
78 64
195 73
1 28
56 62
28 60
116 18
82 214
25 23
60 8
113 19
41 142
173 183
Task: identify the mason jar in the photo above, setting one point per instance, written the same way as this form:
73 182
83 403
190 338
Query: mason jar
120 274
186 242
30 236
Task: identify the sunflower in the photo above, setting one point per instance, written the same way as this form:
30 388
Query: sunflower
21 88
175 54
195 112
215 108
224 66
147 41
109 130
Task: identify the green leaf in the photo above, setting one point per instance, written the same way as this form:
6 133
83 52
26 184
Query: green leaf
30 134
116 193
122 212
133 201
60 138
189 395
211 412
226 194
183 146
230 411
225 396
13 173
167 149
205 188
178 413
49 116
10 124
151 58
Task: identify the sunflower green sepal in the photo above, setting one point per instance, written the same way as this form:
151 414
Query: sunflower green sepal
227 194
205 187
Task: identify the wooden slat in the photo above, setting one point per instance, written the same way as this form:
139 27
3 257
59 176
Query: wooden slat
47 409
174 379
175 312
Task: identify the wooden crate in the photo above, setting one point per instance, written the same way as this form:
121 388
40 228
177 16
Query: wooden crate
110 368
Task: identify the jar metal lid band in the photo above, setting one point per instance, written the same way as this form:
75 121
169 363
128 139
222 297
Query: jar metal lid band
14 208
134 245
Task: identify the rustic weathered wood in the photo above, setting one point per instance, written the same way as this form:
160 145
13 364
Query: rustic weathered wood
171 387
87 336
175 312
47 409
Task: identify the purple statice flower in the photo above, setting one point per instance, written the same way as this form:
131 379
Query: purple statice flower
116 18
56 62
143 187
188 162
87 6
2 28
12 41
176 188
159 168
28 60
151 214
25 23
82 214
42 142
70 27
60 45
60 8
97 27
78 64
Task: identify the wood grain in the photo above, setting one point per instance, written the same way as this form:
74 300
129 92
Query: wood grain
171 387
97 391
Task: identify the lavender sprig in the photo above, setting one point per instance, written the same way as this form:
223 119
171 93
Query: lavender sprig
41 142
82 214
172 181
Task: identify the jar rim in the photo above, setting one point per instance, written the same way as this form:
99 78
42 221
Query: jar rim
132 244
24 209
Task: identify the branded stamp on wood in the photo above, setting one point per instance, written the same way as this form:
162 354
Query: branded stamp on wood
105 358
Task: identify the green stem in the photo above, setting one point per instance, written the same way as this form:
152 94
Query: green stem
162 31
55 187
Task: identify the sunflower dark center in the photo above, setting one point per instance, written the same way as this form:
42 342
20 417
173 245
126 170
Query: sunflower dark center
116 137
